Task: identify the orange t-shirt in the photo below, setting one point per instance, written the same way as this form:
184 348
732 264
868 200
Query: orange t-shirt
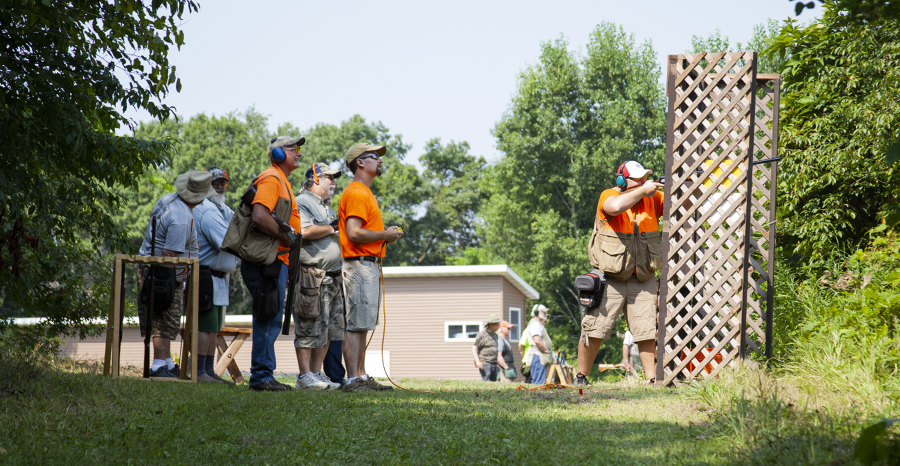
358 201
268 190
645 213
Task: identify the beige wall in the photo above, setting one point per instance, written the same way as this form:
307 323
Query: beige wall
417 309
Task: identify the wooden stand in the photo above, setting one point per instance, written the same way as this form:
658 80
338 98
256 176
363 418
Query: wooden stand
229 351
564 373
111 359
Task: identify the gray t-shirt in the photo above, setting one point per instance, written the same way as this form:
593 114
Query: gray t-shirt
174 231
323 253
486 346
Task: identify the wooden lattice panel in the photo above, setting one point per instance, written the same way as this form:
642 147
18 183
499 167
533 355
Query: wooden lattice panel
717 113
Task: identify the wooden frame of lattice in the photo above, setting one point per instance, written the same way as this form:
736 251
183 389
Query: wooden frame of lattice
716 289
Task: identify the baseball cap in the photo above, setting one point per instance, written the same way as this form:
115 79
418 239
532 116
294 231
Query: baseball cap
282 141
633 169
506 324
359 149
217 173
322 169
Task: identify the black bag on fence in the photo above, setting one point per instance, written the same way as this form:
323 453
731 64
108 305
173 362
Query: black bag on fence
591 287
164 292
206 290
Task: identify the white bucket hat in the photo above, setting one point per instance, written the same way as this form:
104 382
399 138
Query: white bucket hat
194 186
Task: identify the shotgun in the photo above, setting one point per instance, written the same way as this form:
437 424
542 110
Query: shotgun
148 329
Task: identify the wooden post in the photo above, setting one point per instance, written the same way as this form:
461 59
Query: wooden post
113 324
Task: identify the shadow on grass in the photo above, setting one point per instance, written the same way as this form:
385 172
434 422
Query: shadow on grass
83 417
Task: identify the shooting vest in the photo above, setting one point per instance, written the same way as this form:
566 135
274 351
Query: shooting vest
619 255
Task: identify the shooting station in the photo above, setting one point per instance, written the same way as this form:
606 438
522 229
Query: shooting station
717 275
116 320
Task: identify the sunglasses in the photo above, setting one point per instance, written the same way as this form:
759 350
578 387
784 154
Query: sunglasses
295 149
370 156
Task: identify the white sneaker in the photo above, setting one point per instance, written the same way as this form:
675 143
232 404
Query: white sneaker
310 382
324 378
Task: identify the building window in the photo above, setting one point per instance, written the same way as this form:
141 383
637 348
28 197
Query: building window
461 331
515 318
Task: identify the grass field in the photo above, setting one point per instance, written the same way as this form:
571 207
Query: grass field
73 415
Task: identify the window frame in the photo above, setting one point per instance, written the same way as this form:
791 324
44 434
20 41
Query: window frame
517 325
464 323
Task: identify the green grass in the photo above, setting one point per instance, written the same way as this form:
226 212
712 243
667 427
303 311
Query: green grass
72 414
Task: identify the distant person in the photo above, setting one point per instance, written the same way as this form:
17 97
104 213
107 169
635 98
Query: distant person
486 349
363 243
273 195
625 246
175 237
631 357
211 219
506 360
319 305
538 349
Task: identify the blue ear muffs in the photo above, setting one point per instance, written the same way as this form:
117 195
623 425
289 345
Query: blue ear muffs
278 155
621 182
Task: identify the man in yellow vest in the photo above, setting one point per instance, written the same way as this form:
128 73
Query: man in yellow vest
625 247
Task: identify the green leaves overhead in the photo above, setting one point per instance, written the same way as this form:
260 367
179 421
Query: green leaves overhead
839 116
68 71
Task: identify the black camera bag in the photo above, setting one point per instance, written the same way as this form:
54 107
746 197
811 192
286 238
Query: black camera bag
591 287
207 290
164 289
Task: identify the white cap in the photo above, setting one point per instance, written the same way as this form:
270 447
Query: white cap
633 169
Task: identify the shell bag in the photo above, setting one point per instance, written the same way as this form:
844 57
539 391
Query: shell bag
591 287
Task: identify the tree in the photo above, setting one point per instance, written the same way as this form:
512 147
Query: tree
759 42
450 185
571 123
68 71
839 117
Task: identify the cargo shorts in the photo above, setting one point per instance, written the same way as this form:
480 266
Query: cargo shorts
165 323
637 298
362 284
317 332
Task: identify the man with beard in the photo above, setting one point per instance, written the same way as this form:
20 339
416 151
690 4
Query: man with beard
363 240
318 302
211 219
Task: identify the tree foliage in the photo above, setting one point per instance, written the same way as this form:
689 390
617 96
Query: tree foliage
759 42
573 120
68 71
839 114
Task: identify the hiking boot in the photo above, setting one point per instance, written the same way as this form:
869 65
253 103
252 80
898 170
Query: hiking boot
204 377
270 386
377 386
310 382
358 385
324 378
580 380
163 372
220 379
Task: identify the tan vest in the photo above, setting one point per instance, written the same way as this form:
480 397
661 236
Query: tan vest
619 255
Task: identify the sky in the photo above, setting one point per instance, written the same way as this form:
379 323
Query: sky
425 69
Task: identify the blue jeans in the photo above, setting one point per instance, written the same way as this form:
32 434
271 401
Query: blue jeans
262 354
332 366
538 370
488 372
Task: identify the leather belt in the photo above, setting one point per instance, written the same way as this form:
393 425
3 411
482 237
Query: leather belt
375 259
336 273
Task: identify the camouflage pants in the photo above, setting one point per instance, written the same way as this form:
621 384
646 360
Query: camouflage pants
165 323
329 325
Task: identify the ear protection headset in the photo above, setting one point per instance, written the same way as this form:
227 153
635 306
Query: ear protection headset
621 181
278 154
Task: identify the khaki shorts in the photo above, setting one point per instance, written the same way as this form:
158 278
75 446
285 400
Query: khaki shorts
166 323
362 284
638 298
316 333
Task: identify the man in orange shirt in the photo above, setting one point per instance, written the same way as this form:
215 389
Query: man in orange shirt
363 241
625 247
273 195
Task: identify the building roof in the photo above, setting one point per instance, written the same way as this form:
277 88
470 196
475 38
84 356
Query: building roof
464 271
